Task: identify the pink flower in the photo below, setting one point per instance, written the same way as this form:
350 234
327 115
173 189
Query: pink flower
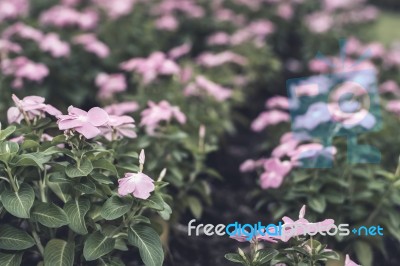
319 22
163 111
180 51
275 172
268 118
285 148
297 228
92 44
219 38
389 86
85 123
167 22
139 185
122 108
64 16
116 8
23 68
212 60
349 262
393 106
250 165
29 108
156 64
11 9
7 46
23 31
110 84
278 102
218 92
119 127
285 11
52 44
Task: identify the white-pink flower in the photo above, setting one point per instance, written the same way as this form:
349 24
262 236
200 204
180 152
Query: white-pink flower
122 108
137 184
268 118
85 123
349 262
29 108
119 127
275 171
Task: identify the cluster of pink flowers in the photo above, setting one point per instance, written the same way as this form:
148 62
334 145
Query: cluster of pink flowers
218 92
110 84
153 66
29 108
92 45
64 16
54 45
23 68
156 113
11 9
95 122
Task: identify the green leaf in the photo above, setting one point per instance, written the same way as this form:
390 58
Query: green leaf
148 242
59 253
195 206
86 186
105 165
154 202
76 210
166 212
265 255
61 187
32 159
235 258
12 238
8 149
115 207
19 203
11 259
84 169
29 144
97 245
317 203
364 253
6 132
49 215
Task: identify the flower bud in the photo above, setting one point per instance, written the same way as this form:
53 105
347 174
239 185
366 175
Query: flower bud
141 157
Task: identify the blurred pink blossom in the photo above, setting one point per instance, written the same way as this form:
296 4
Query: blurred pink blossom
180 51
23 68
277 102
116 8
393 106
23 31
29 108
11 9
319 22
85 123
167 22
92 44
274 172
213 60
64 16
285 11
122 108
110 84
156 113
7 46
389 86
219 38
137 184
156 64
53 44
250 165
268 118
218 92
